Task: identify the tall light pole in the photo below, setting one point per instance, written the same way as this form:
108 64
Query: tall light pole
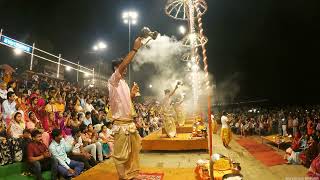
130 18
97 48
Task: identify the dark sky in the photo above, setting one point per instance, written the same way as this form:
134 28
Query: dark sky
272 46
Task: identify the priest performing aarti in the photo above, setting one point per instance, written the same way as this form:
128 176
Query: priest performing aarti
181 117
127 142
168 113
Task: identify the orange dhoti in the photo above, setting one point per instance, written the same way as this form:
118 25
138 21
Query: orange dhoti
127 145
226 136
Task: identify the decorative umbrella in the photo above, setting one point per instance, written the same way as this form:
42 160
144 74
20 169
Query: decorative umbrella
7 68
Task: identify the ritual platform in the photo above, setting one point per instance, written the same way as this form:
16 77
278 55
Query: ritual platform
187 128
190 120
183 141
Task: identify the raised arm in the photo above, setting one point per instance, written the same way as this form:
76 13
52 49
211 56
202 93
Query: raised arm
174 91
127 60
181 101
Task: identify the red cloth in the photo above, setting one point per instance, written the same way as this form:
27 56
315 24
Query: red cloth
261 152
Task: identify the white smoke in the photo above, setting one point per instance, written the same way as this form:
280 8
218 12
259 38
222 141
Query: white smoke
162 57
164 51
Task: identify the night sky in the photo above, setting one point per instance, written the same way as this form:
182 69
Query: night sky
269 47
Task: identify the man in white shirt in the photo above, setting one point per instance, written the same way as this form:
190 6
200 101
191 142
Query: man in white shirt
9 106
88 106
82 100
295 125
87 119
225 130
78 153
67 168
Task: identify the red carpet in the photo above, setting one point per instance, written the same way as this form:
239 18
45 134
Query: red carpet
261 152
150 176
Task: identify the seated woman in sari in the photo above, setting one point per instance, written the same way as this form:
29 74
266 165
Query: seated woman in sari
16 126
5 151
33 122
34 94
51 106
10 144
52 123
77 107
22 106
93 135
38 109
107 141
296 142
311 152
75 122
90 143
314 170
70 105
64 123
292 153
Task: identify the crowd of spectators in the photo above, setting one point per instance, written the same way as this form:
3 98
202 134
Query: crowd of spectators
266 120
300 123
57 125
54 124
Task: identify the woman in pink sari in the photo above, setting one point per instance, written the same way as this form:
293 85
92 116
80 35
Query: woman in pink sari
64 124
36 94
33 121
51 124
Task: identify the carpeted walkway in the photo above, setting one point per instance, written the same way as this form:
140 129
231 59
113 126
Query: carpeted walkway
261 152
107 171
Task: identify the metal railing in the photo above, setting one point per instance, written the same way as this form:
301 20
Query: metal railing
32 50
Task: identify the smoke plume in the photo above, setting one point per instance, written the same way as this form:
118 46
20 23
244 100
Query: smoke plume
159 64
